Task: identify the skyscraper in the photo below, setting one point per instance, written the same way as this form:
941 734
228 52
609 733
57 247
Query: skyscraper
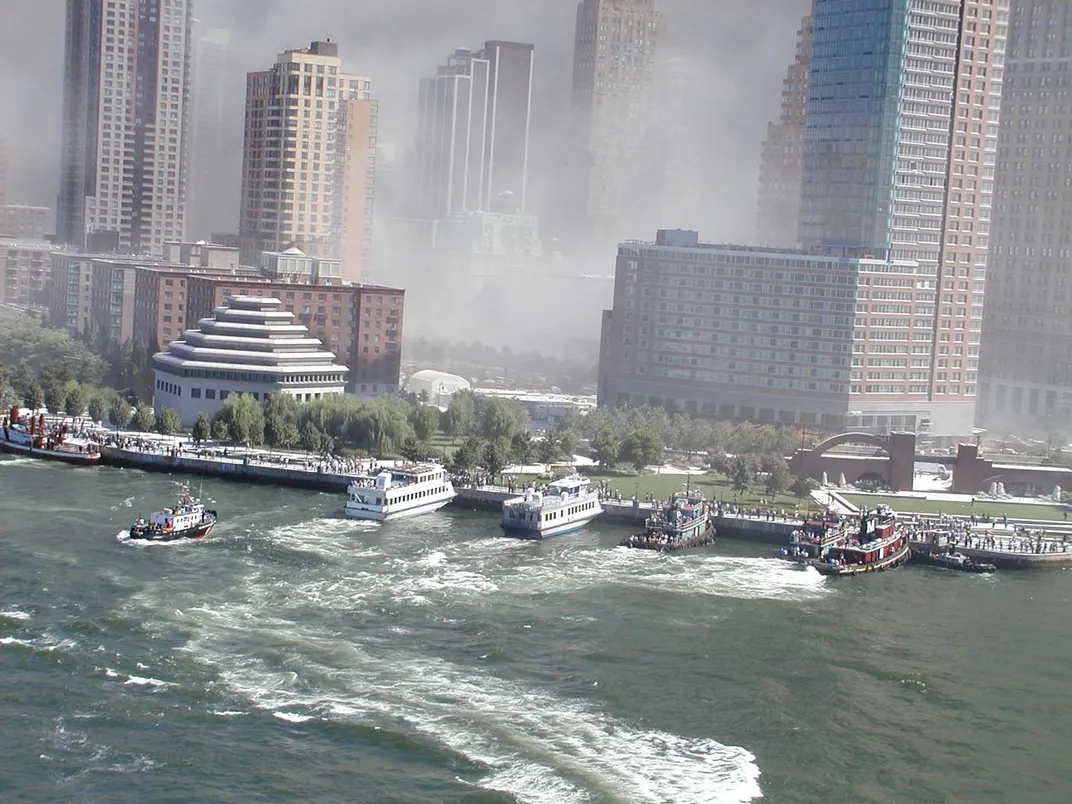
614 65
125 115
899 152
782 157
1026 368
473 133
215 134
309 168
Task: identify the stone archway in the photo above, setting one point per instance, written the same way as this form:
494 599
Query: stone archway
851 438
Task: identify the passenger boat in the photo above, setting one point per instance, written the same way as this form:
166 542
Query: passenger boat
188 519
24 433
850 545
568 505
681 523
404 491
954 561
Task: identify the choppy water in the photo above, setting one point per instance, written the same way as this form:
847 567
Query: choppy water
297 655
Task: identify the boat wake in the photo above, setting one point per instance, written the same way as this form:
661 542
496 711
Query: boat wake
534 745
123 537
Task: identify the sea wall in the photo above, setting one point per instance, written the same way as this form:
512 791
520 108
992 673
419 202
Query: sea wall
236 469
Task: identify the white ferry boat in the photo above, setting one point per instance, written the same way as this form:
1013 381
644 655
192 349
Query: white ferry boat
404 491
568 504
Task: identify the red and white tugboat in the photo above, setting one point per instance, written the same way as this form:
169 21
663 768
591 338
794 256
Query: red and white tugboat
187 520
851 545
24 433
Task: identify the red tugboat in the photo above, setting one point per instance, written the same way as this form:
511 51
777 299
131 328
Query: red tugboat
187 520
851 545
27 434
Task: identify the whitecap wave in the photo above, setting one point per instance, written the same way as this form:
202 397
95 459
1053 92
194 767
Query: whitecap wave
15 614
155 683
291 717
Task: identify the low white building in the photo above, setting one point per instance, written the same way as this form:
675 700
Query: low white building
251 346
438 385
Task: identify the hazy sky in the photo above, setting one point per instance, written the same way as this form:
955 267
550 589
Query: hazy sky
748 45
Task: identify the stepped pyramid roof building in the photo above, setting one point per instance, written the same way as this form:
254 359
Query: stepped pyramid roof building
251 346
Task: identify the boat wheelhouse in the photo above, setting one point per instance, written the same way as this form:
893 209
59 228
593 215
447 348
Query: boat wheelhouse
25 433
567 505
404 491
682 522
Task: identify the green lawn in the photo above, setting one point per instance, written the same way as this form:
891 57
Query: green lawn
917 505
444 445
713 488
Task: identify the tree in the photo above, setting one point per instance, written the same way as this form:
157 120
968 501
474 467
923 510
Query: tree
75 404
244 419
500 418
459 416
98 406
168 422
310 437
546 449
413 450
56 397
202 428
606 447
642 447
567 444
495 454
468 454
35 396
118 411
802 487
220 430
521 449
143 419
741 474
425 422
778 477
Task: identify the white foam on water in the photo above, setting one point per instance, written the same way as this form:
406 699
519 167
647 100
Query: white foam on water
227 713
15 614
155 683
123 537
127 503
716 576
110 673
327 538
43 644
537 746
18 461
291 717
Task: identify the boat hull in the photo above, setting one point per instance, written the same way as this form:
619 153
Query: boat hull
889 562
73 458
196 533
973 567
392 516
539 535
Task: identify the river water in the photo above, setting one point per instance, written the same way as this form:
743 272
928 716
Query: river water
297 655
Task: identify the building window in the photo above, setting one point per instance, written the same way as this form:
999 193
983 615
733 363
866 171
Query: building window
195 393
210 393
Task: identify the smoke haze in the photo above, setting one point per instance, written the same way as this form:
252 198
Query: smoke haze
736 55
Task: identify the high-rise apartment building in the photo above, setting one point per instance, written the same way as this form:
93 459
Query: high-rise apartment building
1026 364
3 168
215 133
125 115
900 148
768 335
473 133
614 69
309 167
782 158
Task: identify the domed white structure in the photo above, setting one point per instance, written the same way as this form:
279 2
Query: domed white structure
251 346
438 385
